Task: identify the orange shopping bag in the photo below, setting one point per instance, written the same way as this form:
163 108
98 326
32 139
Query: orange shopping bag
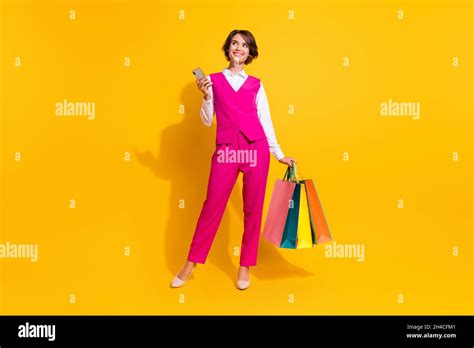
319 226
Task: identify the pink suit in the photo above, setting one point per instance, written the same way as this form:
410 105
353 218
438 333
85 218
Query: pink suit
239 131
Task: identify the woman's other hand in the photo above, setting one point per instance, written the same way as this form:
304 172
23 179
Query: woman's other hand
288 161
203 84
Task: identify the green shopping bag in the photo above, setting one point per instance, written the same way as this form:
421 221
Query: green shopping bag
297 231
290 232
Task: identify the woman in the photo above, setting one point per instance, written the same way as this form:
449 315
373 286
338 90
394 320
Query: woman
245 131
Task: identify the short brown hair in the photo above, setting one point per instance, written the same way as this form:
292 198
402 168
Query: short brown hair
249 40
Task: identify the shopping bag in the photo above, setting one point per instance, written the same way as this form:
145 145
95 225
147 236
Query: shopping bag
278 209
297 233
290 231
319 226
304 238
295 217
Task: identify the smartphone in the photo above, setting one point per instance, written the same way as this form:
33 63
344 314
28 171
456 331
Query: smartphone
198 73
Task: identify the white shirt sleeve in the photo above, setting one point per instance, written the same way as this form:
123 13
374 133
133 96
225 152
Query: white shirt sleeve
265 119
207 109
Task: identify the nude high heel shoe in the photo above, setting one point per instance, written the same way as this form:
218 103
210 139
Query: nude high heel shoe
177 282
243 284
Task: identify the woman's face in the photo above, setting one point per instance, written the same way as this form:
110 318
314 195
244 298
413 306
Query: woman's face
238 48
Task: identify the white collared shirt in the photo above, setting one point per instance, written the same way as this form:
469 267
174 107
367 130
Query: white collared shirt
263 110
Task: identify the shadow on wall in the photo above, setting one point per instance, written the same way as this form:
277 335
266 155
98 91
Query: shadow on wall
184 159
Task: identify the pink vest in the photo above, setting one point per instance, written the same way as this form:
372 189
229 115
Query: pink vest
236 111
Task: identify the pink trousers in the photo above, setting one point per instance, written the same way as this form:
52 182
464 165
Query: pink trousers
252 159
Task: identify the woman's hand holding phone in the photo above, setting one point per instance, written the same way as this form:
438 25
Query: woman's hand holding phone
203 84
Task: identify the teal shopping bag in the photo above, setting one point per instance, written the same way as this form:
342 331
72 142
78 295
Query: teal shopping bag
290 232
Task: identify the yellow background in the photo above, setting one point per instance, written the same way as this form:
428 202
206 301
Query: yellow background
139 109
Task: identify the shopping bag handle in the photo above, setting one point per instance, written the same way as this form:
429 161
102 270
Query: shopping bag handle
288 175
291 173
